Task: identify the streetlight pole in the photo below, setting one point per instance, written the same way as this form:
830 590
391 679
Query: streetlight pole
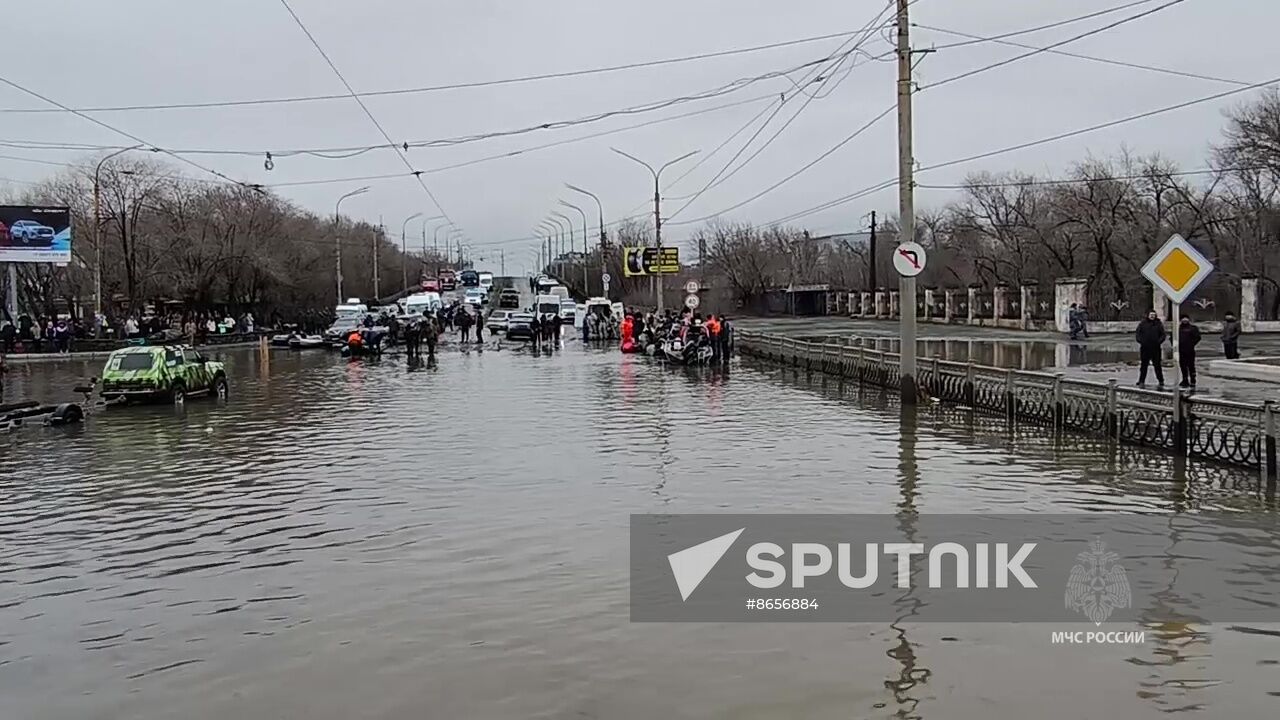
435 244
404 253
657 210
569 224
585 291
600 208
97 239
559 256
337 236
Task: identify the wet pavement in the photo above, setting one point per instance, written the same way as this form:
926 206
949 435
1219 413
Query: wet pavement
1099 358
361 539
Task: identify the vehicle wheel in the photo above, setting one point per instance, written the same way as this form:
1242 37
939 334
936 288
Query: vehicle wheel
178 393
220 388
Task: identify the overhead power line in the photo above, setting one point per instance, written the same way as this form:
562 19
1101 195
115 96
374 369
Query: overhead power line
1039 28
118 131
351 91
945 81
450 86
1038 182
1092 58
1022 146
1050 48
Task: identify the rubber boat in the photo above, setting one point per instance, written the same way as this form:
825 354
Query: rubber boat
305 342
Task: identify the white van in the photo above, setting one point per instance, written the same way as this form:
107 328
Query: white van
422 303
546 305
486 281
351 309
559 291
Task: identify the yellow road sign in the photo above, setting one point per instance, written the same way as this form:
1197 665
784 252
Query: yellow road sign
1177 269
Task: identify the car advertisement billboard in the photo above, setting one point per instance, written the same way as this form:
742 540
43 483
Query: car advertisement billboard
37 234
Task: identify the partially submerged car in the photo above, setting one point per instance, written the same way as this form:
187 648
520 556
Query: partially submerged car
162 372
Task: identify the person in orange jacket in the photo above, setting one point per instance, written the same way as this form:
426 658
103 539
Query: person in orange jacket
713 336
628 328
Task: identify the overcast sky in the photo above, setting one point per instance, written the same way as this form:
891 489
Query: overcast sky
91 53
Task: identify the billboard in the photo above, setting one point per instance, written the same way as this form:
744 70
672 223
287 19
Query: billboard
36 234
640 261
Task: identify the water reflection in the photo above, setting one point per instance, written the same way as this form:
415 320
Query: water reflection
910 673
1013 354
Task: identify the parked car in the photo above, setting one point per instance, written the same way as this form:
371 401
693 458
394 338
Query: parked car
498 321
475 296
519 326
448 281
431 285
31 234
166 372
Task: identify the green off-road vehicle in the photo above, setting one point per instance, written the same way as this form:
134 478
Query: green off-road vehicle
161 372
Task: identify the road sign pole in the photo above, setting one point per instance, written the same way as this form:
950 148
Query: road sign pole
1177 318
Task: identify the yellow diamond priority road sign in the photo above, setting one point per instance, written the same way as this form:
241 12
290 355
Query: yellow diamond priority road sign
1177 269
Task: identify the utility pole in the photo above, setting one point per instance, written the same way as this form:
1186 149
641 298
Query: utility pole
502 258
871 268
906 208
337 235
377 237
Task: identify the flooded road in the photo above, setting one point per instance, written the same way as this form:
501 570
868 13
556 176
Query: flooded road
358 540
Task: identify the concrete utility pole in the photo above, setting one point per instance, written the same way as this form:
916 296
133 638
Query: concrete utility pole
337 236
600 208
871 246
906 208
657 211
377 239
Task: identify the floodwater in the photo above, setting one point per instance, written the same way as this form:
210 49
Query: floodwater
350 539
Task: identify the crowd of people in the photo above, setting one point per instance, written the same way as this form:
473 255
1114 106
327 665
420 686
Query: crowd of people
1151 336
32 335
642 331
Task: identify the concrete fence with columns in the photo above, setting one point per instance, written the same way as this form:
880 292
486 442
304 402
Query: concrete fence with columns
1028 307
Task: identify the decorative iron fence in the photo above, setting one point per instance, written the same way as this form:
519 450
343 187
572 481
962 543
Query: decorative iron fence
1235 433
1107 302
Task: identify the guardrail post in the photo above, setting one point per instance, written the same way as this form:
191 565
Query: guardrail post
970 392
935 379
1010 400
1269 445
1113 415
1059 406
1180 412
861 364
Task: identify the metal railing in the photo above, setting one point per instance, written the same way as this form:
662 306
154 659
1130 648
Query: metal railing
1235 433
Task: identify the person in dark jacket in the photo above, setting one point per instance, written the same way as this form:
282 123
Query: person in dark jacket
1231 337
1150 336
535 332
1188 338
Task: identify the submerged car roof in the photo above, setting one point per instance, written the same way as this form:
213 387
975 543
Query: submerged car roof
139 349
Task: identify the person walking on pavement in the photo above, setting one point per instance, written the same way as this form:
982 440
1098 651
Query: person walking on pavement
1150 336
1075 322
1231 337
1188 338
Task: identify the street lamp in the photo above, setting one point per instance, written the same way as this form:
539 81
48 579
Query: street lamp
657 208
97 239
425 221
337 237
569 224
404 253
559 225
584 244
435 243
